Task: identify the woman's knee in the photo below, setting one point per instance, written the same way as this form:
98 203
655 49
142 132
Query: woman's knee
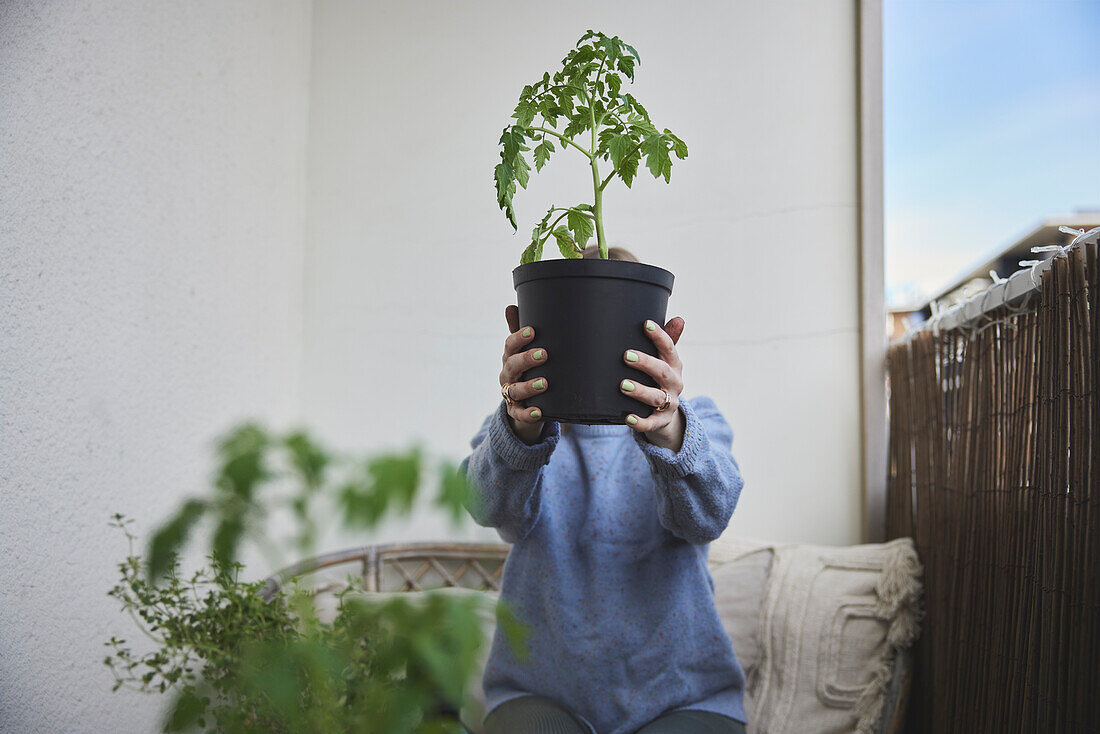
533 714
691 721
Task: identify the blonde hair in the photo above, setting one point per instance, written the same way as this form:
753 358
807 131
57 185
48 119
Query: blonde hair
613 253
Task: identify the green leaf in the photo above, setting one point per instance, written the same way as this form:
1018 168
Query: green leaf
528 255
513 141
578 123
640 128
656 157
636 106
605 136
525 112
396 477
171 536
626 66
242 467
515 630
186 710
307 458
565 243
227 537
614 84
506 189
621 145
454 492
583 54
550 111
583 228
542 154
522 169
678 146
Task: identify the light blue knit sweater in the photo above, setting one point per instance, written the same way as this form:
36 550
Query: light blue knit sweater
608 565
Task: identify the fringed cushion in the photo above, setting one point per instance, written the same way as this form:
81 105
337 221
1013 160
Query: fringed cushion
833 621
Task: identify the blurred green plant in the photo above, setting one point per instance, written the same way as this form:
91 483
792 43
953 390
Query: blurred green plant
236 663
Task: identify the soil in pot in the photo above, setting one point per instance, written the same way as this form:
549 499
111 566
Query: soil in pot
586 313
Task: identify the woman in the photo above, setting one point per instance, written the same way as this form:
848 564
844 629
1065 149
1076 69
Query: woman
610 526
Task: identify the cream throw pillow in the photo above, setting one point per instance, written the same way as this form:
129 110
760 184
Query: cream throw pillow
740 583
833 620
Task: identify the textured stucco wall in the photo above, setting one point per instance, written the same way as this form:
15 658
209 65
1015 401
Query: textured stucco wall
151 224
409 264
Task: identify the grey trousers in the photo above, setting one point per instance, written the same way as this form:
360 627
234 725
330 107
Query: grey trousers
533 714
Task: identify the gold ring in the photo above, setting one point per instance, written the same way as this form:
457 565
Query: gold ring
504 391
668 402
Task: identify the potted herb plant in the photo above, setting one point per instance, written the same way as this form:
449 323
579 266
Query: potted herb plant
585 311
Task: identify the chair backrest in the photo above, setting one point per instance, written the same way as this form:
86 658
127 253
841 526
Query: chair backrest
409 566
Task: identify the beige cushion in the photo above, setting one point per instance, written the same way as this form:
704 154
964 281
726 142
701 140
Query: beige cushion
740 583
832 623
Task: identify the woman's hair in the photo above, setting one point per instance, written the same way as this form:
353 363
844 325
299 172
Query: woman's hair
613 253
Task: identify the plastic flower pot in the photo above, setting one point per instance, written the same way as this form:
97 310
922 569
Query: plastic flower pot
586 313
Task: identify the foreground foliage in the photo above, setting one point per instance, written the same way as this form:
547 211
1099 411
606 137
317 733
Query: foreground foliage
235 662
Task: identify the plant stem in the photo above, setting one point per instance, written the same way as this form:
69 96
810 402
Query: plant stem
597 205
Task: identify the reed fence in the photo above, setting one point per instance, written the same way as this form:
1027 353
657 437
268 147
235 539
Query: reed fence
994 472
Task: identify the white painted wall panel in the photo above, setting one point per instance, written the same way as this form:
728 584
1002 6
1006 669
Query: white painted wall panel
409 260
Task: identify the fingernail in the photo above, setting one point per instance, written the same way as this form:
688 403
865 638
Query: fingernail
539 354
627 385
539 384
631 420
631 356
536 413
526 332
649 325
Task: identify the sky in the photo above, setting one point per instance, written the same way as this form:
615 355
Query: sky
991 116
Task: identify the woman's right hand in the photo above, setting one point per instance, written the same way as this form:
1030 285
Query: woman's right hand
518 358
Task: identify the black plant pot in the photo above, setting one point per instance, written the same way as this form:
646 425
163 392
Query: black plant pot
586 313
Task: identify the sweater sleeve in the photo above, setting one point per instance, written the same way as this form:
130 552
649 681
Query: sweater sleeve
698 487
505 475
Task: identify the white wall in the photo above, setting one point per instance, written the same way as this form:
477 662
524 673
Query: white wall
409 260
151 220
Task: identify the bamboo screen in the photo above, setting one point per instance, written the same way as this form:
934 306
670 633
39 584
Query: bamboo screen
994 472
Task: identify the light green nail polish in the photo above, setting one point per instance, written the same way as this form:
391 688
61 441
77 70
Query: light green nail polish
539 354
536 413
539 384
628 385
650 326
631 420
526 332
631 357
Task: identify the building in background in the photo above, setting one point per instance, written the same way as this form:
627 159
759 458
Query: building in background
1004 262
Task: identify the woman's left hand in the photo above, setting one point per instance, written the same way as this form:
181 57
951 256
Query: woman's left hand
664 428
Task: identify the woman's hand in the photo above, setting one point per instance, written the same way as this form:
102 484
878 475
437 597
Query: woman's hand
525 422
666 428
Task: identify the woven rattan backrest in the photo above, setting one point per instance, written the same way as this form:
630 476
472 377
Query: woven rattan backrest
410 566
